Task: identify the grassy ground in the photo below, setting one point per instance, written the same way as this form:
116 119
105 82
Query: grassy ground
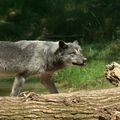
90 76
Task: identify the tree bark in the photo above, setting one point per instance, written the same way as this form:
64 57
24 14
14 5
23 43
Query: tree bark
82 105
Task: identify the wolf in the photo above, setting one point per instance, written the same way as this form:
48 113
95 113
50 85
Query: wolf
24 58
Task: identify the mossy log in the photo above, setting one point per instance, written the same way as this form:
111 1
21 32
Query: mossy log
82 105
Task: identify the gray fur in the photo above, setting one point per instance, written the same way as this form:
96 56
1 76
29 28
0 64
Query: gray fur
34 58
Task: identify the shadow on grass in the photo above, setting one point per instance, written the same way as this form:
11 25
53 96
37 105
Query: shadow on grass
32 84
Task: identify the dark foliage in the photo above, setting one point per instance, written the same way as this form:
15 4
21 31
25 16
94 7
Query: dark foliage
86 20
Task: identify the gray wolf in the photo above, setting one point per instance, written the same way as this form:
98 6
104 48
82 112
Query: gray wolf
24 58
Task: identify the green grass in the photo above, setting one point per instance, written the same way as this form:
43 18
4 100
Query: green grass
89 77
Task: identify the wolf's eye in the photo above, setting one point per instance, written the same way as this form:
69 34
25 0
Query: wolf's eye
73 53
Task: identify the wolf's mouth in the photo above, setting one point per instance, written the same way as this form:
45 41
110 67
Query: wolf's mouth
78 64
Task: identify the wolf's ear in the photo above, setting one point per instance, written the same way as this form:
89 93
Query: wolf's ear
76 42
63 45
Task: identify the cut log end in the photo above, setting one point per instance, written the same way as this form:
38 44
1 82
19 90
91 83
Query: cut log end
113 73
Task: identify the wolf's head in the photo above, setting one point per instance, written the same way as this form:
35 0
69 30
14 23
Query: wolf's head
70 53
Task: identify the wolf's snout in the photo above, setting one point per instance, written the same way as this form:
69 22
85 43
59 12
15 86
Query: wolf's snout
84 60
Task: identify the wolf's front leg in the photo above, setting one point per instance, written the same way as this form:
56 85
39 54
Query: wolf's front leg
17 85
48 83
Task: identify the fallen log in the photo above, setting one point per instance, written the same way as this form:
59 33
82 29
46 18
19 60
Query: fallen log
83 105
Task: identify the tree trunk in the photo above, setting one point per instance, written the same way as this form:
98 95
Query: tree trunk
82 105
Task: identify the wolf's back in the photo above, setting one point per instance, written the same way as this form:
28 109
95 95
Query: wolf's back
13 57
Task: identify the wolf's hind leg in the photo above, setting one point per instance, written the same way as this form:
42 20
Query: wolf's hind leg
17 85
48 83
